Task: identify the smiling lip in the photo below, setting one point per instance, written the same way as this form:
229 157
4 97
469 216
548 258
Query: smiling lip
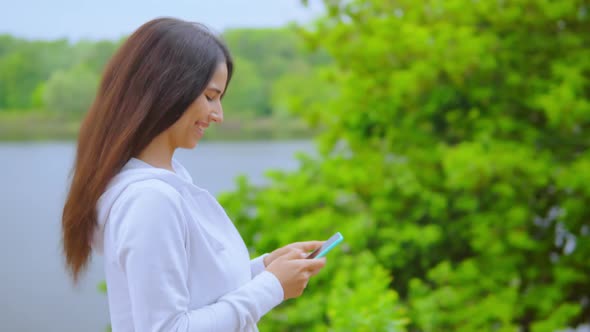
201 127
201 124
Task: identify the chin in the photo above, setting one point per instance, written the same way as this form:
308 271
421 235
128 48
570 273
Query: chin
192 145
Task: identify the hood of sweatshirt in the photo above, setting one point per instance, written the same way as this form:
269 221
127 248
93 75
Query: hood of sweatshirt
134 171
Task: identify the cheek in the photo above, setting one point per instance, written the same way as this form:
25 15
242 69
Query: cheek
180 127
188 118
187 127
199 108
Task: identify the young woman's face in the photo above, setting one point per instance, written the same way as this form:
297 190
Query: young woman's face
188 130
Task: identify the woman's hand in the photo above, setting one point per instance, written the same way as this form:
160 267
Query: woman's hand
302 247
294 270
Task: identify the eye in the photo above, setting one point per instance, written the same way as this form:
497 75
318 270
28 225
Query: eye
208 98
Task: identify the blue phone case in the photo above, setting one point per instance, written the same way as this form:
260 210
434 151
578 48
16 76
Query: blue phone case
339 238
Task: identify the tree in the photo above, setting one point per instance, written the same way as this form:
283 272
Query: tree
23 65
94 54
245 96
71 92
267 55
454 158
296 92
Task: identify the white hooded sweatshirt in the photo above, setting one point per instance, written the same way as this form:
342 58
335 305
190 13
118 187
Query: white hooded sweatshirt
173 259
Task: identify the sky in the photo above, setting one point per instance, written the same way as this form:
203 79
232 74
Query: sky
112 19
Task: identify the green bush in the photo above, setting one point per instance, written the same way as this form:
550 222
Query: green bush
454 159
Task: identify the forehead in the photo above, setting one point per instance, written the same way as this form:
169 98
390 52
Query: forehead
219 78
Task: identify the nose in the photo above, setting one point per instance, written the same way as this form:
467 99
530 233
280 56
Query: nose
216 114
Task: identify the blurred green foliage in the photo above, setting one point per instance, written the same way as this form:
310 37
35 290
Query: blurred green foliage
454 160
59 79
28 66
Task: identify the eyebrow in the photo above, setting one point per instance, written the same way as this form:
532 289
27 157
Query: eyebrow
214 89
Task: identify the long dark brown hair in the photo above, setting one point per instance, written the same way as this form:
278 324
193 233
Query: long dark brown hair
146 86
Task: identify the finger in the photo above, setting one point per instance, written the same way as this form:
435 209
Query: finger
307 245
315 264
292 254
280 251
316 271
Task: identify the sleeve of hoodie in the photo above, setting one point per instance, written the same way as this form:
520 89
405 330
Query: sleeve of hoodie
257 265
152 254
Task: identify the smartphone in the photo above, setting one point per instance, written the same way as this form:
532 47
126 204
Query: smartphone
332 242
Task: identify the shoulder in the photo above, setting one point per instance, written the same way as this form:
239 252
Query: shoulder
149 201
152 189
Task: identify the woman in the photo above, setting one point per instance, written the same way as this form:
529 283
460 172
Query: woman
173 259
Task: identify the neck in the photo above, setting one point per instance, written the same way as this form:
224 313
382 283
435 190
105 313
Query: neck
158 153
